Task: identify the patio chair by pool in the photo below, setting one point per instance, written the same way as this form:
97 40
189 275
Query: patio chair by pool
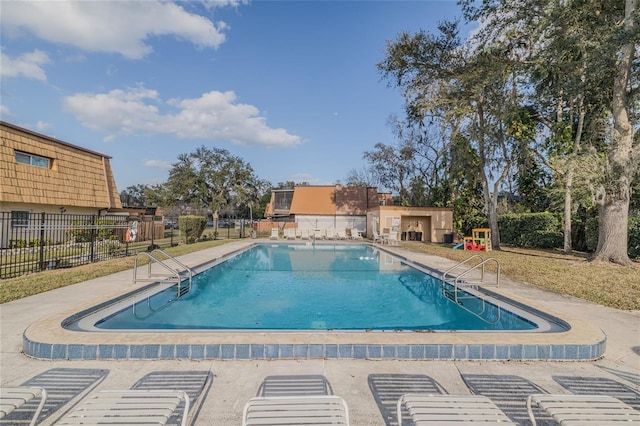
289 233
12 398
296 410
331 234
342 234
295 385
392 238
131 407
451 409
355 234
583 409
275 235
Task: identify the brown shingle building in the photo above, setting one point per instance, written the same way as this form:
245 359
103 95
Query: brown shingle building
41 174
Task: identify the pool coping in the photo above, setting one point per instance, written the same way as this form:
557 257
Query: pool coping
48 339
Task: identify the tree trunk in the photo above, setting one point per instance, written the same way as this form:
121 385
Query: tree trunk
613 198
567 212
613 232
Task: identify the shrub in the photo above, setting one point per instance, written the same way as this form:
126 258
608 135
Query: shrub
17 243
634 235
192 226
471 222
535 230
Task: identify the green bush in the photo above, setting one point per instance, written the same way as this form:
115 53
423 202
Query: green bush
535 230
80 230
591 233
471 222
192 226
17 243
634 235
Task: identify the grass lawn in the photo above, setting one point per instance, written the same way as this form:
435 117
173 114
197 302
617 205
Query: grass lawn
605 284
608 285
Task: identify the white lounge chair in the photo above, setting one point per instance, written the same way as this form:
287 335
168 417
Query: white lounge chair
331 234
342 234
14 397
392 238
451 409
304 234
355 234
130 407
296 410
593 410
295 385
376 237
289 233
275 234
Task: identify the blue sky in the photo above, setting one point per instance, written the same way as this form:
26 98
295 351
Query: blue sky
289 86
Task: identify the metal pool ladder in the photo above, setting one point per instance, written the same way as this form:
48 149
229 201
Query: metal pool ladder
176 274
457 282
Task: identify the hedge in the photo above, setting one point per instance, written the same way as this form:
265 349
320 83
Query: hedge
535 230
192 226
545 230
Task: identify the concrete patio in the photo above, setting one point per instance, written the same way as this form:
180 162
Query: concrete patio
235 381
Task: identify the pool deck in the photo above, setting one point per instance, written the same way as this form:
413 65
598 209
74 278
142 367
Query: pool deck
37 319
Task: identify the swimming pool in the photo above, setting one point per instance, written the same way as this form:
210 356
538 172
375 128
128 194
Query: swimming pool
313 287
71 333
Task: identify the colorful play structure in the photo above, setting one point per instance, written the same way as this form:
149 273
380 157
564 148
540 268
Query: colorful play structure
480 240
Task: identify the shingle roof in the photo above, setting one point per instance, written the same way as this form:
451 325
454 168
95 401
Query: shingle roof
76 176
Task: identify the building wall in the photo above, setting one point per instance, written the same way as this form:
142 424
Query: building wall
75 178
337 222
433 222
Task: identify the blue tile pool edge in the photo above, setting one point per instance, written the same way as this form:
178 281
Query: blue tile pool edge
476 352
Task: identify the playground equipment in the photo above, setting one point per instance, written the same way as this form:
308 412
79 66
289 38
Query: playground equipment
480 240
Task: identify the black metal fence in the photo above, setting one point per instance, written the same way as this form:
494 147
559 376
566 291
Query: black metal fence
32 242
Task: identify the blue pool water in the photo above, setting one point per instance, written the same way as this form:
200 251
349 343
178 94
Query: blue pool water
321 287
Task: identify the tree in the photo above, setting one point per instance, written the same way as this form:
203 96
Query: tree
134 196
468 90
583 63
613 195
210 178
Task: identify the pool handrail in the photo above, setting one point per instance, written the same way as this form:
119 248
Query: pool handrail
175 274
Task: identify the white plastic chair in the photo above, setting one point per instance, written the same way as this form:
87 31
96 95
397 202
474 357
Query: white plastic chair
593 410
14 397
296 410
130 407
451 409
275 234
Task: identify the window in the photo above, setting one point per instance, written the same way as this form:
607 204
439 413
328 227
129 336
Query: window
32 160
19 218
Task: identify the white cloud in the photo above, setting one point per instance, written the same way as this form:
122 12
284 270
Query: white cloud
42 126
27 64
211 4
214 115
4 111
158 164
122 27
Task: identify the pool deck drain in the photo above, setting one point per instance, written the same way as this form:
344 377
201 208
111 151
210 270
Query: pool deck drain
47 339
